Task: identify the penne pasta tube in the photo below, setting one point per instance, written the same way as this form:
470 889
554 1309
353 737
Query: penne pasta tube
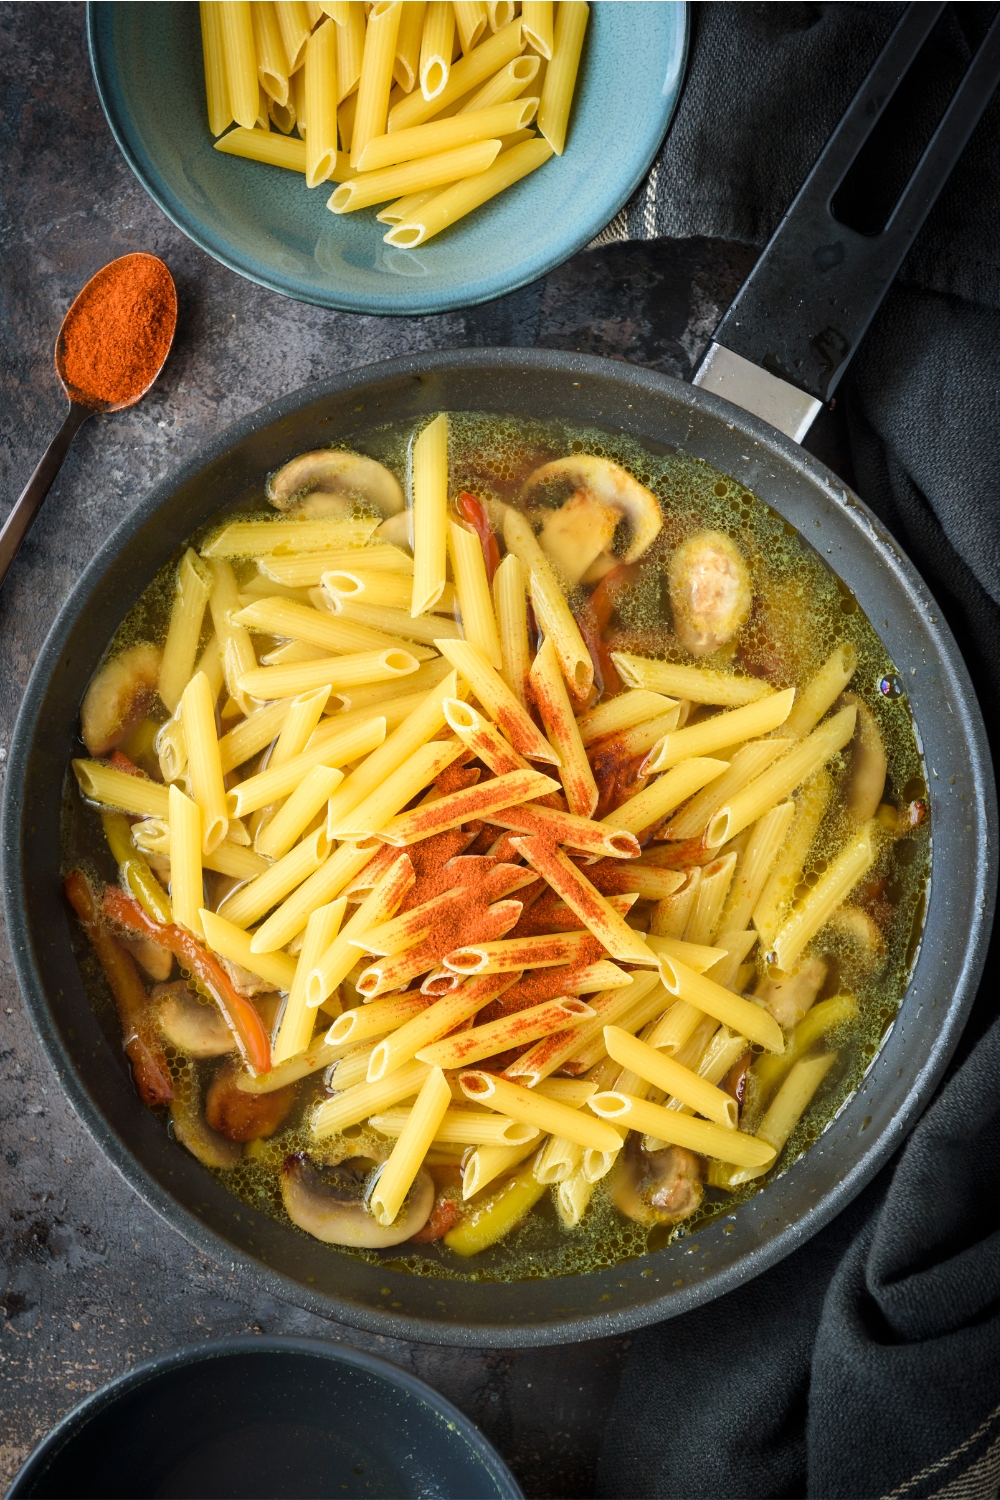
377 811
638 706
667 1073
488 1162
472 586
550 604
697 684
236 27
575 832
398 622
355 1104
304 713
306 569
350 17
272 60
480 801
339 959
235 645
318 627
429 498
311 1059
731 727
297 101
593 909
507 954
681 1130
462 1127
438 136
784 1113
297 812
500 13
210 662
436 1021
786 871
261 538
697 956
650 806
406 931
639 1014
511 604
392 589
552 700
537 25
264 146
488 744
351 1067
413 176
610 1008
823 689
498 700
272 784
572 1091
395 213
321 104
436 47
823 899
706 910
781 778
334 672
648 735
456 80
573 1197
204 762
471 21
531 1108
749 761
118 789
293 20
509 83
253 734
367 1021
376 77
193 586
732 1010
509 1031
233 943
235 861
560 75
258 896
671 913
676 1027
557 1160
298 1020
769 1070
329 880
406 63
220 115
766 839
186 894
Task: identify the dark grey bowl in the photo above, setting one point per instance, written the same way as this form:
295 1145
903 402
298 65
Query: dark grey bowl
270 1417
660 411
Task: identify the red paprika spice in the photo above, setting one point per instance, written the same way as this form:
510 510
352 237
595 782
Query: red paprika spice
117 333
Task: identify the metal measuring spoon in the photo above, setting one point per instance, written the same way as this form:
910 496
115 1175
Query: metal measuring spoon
111 347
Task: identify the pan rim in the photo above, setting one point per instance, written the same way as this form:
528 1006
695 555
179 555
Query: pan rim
574 1326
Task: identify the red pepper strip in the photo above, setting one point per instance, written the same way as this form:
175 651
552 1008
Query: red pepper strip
443 1217
149 1066
120 762
472 509
240 1015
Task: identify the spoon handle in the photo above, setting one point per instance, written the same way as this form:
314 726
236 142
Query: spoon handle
19 522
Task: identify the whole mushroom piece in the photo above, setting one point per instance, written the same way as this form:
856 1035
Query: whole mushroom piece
329 482
329 1201
657 1187
710 591
599 497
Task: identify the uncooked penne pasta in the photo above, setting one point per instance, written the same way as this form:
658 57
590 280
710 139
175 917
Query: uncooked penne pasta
325 883
593 909
306 569
390 589
280 781
650 806
766 839
258 896
786 1110
272 60
429 499
298 1019
236 27
506 954
321 103
531 1108
667 1073
462 1127
364 1099
510 600
204 762
113 788
293 19
471 21
341 671
821 691
350 17
625 711
220 115
748 762
732 1010
822 900
681 1130
406 62
509 83
261 538
194 584
487 1163
810 809
436 1021
367 1021
186 895
537 24
670 916
560 75
474 601
462 77
235 645
552 700
412 176
706 911
298 811
697 684
509 1031
459 807
437 136
376 76
338 960
498 700
550 604
316 626
304 713
436 46
394 790
728 728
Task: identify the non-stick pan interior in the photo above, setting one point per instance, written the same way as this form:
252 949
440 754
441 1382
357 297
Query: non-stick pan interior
659 411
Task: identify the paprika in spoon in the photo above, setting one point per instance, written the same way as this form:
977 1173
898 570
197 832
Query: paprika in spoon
112 345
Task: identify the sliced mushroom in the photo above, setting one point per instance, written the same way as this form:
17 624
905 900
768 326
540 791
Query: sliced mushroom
246 983
119 695
657 1187
397 530
194 1026
790 996
155 961
245 1117
598 496
866 781
193 1130
329 482
710 592
861 946
329 1201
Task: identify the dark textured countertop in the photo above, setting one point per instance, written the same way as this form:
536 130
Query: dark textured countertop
91 1280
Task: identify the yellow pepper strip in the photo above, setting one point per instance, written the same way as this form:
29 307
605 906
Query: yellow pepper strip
771 1069
137 879
499 1214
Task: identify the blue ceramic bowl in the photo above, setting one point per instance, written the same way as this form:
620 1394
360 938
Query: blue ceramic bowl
264 223
275 1417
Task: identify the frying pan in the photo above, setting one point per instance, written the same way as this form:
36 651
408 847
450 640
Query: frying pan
782 367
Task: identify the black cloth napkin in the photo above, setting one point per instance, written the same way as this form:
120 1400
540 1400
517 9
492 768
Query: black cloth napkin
867 1363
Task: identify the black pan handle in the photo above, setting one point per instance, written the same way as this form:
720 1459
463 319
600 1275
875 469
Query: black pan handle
787 339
